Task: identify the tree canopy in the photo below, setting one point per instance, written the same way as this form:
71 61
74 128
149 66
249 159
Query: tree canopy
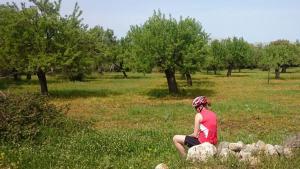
168 44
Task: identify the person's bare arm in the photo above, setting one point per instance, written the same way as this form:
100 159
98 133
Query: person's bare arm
198 119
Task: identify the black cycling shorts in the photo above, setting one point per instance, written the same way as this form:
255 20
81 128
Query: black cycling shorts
191 141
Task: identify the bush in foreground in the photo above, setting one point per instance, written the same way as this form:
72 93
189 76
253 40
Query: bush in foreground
23 116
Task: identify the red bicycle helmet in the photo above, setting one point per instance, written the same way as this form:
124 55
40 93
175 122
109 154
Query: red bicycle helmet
199 101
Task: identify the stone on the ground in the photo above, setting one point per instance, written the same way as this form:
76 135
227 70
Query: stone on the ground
279 149
260 145
236 154
201 152
236 146
250 148
161 166
270 150
245 155
287 152
222 145
224 153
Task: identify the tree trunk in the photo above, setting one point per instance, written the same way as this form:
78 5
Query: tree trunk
277 73
124 74
229 71
269 76
28 76
283 69
170 75
100 70
43 81
215 71
189 79
16 74
239 70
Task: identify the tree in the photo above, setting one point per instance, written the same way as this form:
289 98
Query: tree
118 55
155 40
100 39
256 55
15 38
77 47
237 52
280 54
169 45
38 39
191 40
216 55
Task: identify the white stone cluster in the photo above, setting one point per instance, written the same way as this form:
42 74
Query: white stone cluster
244 152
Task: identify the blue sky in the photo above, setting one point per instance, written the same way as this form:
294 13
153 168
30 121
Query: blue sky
254 20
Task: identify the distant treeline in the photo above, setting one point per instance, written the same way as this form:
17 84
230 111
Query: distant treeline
37 40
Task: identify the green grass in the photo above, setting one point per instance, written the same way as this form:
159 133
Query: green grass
134 120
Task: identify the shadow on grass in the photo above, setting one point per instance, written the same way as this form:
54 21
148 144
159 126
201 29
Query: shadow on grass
108 76
184 93
82 93
197 82
7 82
232 75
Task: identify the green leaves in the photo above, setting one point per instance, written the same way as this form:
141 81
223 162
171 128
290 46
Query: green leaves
281 52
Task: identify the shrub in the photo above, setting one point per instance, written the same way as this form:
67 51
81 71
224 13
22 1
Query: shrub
23 116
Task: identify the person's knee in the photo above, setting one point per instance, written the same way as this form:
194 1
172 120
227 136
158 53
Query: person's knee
174 139
177 139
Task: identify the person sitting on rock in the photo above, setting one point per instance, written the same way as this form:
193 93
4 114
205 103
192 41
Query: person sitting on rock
205 129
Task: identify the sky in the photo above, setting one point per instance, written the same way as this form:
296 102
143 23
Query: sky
254 20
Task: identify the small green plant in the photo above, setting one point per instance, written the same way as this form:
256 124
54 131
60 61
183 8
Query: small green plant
23 116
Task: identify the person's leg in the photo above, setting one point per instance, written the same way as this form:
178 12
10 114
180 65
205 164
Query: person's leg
179 143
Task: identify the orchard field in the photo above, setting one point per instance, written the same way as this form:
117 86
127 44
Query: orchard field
129 123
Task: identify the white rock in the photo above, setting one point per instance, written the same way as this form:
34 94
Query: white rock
201 152
161 166
245 155
287 152
236 146
222 145
260 145
252 160
270 150
224 153
236 154
250 148
279 149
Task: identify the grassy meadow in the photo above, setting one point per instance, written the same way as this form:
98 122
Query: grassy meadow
131 122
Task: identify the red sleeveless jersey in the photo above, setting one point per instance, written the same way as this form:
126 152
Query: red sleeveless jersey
208 127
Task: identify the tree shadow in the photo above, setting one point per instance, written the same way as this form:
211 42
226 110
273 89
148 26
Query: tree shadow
81 93
184 93
232 75
197 83
7 82
199 88
122 77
